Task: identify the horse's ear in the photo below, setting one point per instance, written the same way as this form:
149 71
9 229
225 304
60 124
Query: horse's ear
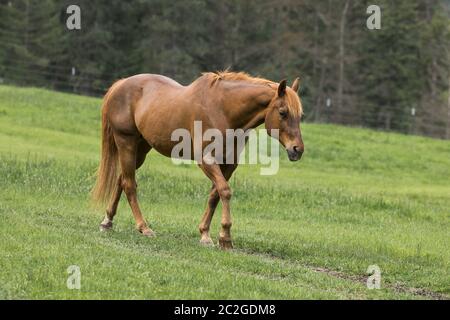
296 84
282 88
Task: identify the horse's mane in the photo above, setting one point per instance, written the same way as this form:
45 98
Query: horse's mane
294 104
235 76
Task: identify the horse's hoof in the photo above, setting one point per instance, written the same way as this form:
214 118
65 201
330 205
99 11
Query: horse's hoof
148 233
106 226
206 242
225 244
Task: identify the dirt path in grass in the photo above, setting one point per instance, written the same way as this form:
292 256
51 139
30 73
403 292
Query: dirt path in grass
362 279
398 287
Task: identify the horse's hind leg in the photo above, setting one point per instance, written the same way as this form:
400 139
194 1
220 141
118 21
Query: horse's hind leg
128 147
107 223
111 211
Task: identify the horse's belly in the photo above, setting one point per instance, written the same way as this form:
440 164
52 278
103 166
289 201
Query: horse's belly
165 121
164 135
165 148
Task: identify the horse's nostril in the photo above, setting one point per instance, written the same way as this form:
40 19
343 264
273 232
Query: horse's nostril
298 149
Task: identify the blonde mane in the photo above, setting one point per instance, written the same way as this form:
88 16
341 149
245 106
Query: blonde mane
235 76
294 104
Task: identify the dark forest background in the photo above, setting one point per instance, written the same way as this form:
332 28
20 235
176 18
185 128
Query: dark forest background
396 78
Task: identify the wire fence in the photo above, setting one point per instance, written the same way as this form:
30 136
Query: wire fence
72 79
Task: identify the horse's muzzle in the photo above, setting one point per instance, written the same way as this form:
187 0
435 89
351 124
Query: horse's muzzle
295 153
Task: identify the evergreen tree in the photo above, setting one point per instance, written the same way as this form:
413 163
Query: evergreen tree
392 72
29 40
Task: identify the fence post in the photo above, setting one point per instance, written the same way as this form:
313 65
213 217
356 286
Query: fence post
73 73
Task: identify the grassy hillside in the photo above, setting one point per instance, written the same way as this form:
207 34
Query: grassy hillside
357 198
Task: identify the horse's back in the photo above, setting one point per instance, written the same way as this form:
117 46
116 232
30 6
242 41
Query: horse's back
126 97
149 79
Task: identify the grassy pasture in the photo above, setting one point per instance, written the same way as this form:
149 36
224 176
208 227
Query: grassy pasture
357 198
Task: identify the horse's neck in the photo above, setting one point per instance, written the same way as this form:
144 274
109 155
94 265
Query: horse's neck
246 105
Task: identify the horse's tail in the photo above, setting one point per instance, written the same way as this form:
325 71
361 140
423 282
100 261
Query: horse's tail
108 170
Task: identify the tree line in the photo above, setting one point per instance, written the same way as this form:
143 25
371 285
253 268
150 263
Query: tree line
395 78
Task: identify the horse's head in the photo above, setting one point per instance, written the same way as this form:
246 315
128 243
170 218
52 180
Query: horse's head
284 113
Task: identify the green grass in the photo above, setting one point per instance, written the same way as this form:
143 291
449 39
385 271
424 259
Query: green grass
357 198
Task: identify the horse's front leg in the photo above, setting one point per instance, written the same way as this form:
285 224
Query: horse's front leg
214 173
213 200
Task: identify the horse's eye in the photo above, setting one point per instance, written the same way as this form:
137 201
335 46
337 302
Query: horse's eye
283 114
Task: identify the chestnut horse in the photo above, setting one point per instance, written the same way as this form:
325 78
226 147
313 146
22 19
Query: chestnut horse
140 113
